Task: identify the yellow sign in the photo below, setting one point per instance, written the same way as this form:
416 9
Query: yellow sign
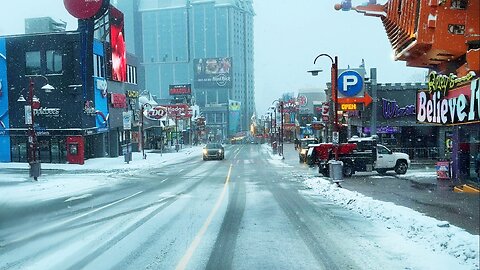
132 94
348 107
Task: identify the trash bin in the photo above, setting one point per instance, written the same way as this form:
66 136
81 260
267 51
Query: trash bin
127 152
274 147
335 168
35 169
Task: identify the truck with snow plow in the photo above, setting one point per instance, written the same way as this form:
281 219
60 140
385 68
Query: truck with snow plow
360 155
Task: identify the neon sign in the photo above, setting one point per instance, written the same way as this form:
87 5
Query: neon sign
390 109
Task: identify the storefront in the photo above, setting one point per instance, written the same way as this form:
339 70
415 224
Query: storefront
454 104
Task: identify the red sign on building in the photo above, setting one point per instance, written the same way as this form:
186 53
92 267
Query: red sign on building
83 9
180 89
178 110
118 100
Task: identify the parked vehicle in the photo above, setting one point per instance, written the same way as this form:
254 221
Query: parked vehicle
213 151
303 148
361 154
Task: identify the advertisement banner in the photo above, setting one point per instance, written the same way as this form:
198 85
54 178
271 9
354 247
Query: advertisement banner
118 100
180 89
117 41
213 72
234 108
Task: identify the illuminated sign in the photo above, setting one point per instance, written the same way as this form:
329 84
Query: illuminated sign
447 107
180 89
132 94
348 107
155 113
390 109
444 83
117 41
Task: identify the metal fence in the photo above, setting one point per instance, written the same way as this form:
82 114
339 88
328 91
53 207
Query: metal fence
419 153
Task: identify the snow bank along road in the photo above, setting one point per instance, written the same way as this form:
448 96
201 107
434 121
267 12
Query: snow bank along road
246 212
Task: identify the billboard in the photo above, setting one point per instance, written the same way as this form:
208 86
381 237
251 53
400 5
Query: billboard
234 113
213 72
117 42
180 89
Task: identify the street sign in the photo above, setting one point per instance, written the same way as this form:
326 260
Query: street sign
350 84
367 99
127 120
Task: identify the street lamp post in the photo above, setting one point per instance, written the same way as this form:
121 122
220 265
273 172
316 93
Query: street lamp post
334 76
280 133
281 130
142 129
35 165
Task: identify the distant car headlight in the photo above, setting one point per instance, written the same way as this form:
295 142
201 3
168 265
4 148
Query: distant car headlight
205 151
220 151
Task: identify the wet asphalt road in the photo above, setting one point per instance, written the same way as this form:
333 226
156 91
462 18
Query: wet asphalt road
244 212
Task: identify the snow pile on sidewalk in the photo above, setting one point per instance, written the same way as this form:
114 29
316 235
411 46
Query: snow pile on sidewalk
434 234
79 181
108 164
276 158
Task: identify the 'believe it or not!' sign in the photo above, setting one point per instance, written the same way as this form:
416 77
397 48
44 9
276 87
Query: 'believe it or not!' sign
85 9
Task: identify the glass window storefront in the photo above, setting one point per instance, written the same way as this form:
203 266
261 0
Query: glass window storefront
470 151
49 149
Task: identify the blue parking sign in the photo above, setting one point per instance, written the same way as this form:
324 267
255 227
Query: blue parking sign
350 83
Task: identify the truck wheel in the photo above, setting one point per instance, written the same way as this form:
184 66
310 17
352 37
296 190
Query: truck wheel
347 170
401 167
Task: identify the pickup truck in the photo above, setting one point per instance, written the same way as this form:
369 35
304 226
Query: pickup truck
361 154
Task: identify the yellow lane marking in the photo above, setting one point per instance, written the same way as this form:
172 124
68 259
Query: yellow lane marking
198 238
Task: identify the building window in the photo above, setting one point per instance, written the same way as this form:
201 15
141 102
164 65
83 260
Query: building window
98 66
32 63
54 62
459 4
131 74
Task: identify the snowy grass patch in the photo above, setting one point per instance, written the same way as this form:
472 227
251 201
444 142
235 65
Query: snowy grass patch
437 236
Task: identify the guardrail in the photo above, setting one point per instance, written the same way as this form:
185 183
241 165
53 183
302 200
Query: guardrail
419 153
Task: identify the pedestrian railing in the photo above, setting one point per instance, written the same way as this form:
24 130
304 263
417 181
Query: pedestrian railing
419 153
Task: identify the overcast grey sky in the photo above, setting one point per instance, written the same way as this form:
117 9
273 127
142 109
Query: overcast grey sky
289 34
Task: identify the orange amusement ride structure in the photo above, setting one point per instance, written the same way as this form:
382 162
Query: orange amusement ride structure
443 35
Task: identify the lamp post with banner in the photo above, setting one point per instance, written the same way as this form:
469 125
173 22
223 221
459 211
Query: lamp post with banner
34 163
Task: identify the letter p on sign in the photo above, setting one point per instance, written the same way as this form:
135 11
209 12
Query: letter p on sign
349 80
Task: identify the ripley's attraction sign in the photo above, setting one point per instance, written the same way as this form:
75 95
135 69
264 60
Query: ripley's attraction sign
449 100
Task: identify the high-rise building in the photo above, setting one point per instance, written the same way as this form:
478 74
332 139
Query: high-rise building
208 44
44 25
